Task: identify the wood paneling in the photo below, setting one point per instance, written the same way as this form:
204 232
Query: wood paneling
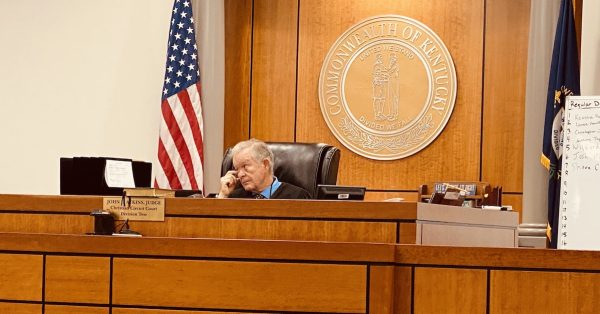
506 44
50 203
381 290
408 233
229 228
577 12
64 224
498 257
78 279
308 220
20 308
67 309
189 207
196 248
403 291
273 229
450 290
278 276
544 292
469 149
455 153
238 42
274 51
258 286
20 277
155 311
584 295
292 208
381 196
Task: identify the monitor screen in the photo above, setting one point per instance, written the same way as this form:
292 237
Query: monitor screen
340 192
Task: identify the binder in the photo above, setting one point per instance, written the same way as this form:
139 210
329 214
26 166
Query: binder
85 176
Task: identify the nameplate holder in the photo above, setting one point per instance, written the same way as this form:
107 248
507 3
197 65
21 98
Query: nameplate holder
135 208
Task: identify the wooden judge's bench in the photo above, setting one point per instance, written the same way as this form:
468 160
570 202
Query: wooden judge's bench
270 256
309 220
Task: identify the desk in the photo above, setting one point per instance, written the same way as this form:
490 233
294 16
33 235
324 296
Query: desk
95 274
496 280
305 220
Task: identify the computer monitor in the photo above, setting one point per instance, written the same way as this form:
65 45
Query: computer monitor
340 192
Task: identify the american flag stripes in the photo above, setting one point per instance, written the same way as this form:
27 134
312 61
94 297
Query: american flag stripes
180 144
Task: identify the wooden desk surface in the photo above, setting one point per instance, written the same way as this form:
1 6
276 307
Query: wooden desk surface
196 248
375 253
498 258
302 220
348 210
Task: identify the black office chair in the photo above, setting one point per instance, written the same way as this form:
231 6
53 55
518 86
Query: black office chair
302 164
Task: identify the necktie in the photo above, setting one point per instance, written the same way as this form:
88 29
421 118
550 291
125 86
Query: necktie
259 196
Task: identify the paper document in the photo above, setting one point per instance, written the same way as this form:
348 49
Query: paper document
119 174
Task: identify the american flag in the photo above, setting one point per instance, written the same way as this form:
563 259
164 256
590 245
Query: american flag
180 143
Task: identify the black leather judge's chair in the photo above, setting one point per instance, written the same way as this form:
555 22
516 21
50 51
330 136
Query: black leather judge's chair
302 164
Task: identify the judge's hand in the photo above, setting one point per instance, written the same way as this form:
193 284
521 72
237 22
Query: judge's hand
228 183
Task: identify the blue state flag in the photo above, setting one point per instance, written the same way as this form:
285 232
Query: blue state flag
564 81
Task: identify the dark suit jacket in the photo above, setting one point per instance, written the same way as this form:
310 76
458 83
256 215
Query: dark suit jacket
285 191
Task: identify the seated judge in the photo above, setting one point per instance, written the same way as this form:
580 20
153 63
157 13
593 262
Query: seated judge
253 177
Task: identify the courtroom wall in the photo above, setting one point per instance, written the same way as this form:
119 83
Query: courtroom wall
84 78
274 53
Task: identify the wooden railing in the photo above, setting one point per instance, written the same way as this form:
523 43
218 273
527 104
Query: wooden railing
102 274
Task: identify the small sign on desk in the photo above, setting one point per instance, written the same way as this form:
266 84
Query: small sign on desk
136 208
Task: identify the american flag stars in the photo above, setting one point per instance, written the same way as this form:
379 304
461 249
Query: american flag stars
182 55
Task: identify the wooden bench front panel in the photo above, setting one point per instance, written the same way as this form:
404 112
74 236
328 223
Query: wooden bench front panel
270 229
304 287
70 309
449 290
20 308
21 277
78 279
514 291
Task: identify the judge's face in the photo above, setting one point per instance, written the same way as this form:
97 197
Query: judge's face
253 174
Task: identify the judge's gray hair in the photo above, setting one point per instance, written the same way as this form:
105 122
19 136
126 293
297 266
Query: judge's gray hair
259 149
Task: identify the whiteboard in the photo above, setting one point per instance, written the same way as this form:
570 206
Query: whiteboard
579 224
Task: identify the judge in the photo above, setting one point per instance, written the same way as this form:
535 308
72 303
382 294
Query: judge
253 177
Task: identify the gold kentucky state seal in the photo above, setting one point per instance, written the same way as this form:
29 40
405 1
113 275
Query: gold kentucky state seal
387 87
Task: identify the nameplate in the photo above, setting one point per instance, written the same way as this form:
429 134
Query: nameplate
135 208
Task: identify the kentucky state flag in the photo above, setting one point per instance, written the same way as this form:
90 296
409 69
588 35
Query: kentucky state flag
564 81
